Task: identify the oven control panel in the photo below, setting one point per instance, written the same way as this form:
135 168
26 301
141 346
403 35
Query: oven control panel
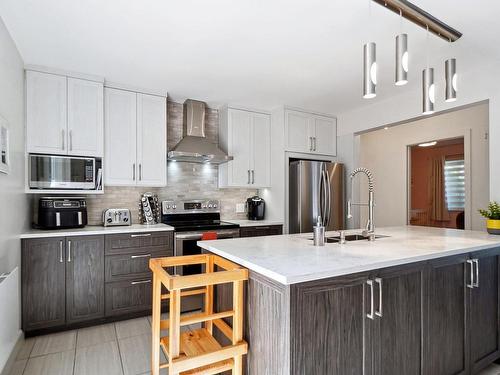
191 206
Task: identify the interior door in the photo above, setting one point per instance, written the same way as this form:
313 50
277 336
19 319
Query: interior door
120 137
261 150
298 134
46 108
151 140
325 135
85 117
240 123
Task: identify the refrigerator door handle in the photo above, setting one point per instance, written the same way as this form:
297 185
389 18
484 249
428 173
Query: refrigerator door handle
329 203
324 184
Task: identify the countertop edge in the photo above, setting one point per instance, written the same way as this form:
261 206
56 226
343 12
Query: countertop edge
254 223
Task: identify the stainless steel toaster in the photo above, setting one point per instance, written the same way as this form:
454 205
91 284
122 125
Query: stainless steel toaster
116 217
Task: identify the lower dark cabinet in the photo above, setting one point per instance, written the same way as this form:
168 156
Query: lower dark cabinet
124 297
258 231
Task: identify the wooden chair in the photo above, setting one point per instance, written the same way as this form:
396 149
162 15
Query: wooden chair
198 352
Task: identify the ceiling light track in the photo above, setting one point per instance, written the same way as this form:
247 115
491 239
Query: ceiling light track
420 17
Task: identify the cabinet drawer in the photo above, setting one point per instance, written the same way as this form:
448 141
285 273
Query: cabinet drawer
258 231
131 266
134 242
124 297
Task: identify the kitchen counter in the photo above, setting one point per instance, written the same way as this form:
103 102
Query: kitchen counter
95 230
254 223
291 259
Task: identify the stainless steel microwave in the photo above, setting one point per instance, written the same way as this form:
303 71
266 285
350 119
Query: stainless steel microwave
61 172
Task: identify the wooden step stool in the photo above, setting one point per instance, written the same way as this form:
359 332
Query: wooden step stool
198 352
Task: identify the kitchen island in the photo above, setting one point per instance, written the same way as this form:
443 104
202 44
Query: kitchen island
419 301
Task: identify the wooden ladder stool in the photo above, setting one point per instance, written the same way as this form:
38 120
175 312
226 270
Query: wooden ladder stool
197 352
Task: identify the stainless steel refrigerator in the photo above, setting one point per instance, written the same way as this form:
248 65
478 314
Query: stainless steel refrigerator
316 189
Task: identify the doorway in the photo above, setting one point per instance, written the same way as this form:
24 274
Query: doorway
437 186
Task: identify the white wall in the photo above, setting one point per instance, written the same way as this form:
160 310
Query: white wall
384 153
14 212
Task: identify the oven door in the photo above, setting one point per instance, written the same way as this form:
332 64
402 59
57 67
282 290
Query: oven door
61 172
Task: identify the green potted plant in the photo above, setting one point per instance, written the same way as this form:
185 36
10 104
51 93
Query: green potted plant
493 216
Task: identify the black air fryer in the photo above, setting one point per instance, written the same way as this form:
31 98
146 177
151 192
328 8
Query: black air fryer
61 212
256 208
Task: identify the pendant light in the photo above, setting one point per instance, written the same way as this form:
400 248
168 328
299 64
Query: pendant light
450 69
369 66
401 56
428 87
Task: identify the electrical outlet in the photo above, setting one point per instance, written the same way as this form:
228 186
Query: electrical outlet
240 207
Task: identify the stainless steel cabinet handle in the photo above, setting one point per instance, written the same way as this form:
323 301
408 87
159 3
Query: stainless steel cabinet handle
370 315
140 256
140 282
475 284
471 284
310 143
69 251
140 172
71 140
133 171
253 176
314 143
62 137
378 280
140 235
60 251
248 179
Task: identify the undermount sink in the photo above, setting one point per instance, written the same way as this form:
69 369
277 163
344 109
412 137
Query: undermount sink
350 237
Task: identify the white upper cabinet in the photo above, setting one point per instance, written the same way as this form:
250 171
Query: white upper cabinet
135 139
85 117
310 133
64 115
246 136
46 119
151 140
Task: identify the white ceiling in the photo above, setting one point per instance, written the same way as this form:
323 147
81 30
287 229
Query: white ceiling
257 53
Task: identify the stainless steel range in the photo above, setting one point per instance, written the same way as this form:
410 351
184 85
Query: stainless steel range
191 220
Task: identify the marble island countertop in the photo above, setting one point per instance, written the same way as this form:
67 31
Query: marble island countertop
290 259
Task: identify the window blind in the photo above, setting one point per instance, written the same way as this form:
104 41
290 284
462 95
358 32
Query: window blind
454 178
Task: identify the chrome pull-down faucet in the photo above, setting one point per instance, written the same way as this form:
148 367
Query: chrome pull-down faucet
370 224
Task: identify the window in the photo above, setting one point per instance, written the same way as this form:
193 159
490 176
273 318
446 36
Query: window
454 179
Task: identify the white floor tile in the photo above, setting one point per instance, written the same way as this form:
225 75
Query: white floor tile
136 354
103 359
26 348
95 335
54 343
491 370
134 327
18 367
51 364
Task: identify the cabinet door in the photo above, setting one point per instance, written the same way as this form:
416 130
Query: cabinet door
261 150
151 140
120 137
124 297
84 278
240 123
85 118
325 135
446 297
330 333
484 313
43 283
46 120
398 315
298 131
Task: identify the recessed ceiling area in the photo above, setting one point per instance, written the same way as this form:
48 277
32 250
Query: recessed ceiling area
259 54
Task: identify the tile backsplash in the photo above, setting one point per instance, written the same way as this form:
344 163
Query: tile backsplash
184 180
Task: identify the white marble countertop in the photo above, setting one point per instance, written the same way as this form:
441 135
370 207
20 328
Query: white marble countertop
254 223
290 259
95 230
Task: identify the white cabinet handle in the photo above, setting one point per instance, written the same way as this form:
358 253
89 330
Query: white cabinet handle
470 262
69 251
371 315
378 280
60 251
140 282
475 284
140 235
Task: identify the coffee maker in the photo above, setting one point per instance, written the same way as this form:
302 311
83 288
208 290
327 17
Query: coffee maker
256 208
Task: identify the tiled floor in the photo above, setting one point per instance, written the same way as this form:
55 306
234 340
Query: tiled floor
122 348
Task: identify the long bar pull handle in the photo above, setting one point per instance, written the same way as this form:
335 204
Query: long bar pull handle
140 172
314 139
470 285
310 143
140 256
475 284
140 282
378 280
371 315
71 140
62 137
253 176
133 171
69 251
60 251
140 235
248 176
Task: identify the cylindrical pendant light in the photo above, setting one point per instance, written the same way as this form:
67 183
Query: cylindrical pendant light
401 60
369 70
429 91
450 68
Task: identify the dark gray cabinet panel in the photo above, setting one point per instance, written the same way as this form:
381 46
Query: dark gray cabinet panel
133 242
484 313
445 317
43 286
125 297
84 278
258 231
131 265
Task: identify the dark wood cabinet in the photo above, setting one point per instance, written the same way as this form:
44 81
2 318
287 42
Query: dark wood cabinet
84 278
258 231
43 283
124 297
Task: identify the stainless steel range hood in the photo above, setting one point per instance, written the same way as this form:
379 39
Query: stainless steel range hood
194 146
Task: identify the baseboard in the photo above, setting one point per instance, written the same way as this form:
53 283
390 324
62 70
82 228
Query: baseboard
13 354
